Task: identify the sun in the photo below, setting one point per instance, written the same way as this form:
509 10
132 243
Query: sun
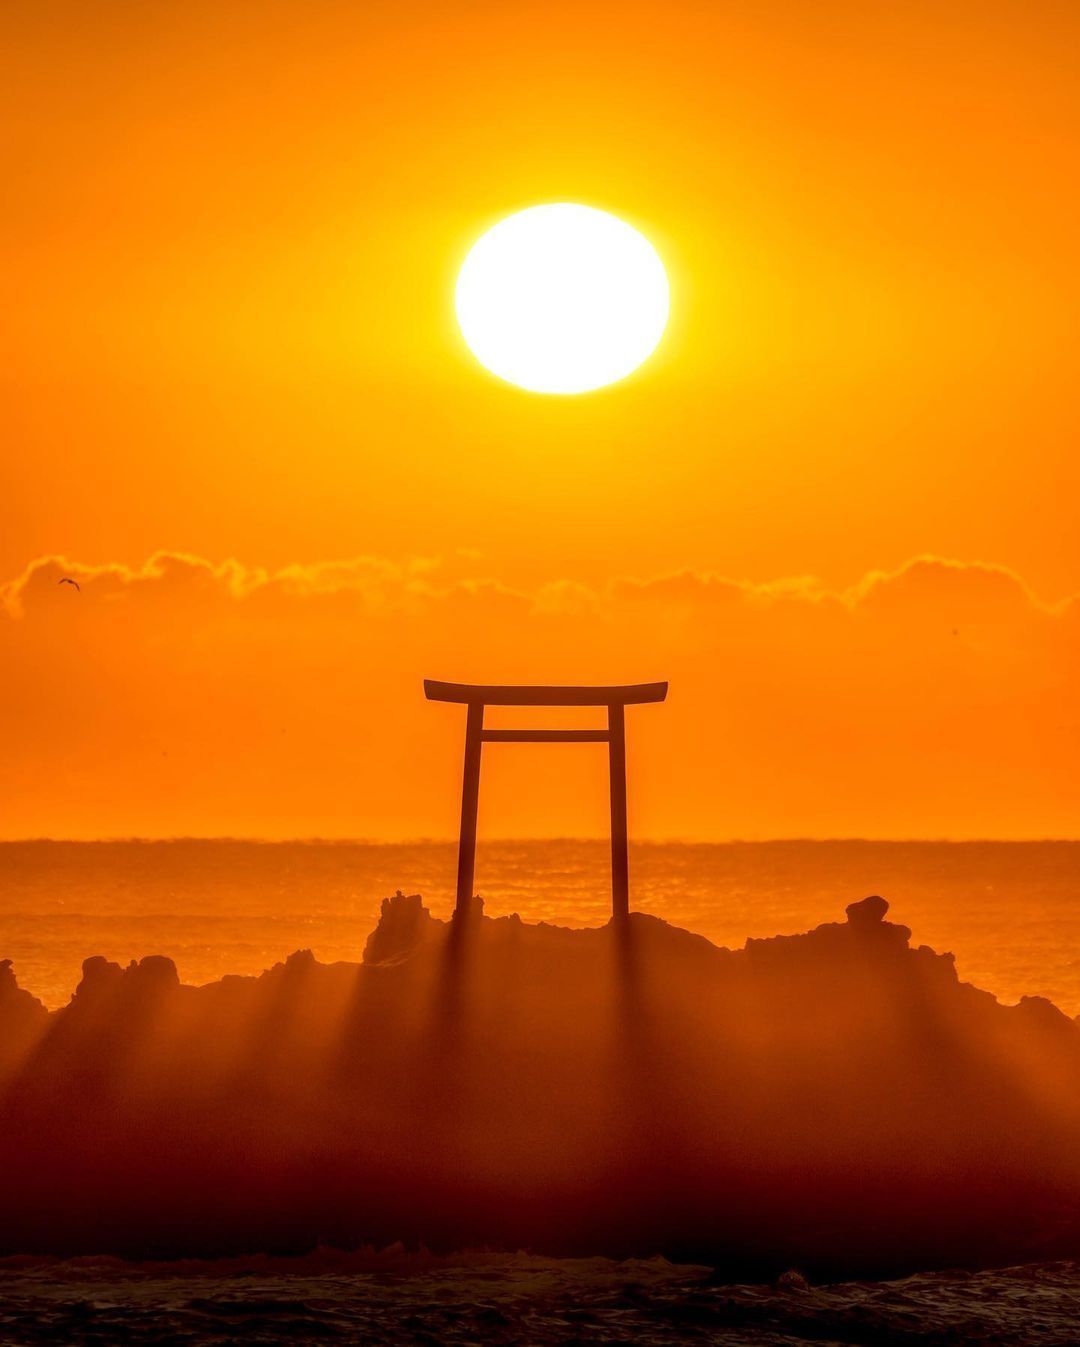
562 298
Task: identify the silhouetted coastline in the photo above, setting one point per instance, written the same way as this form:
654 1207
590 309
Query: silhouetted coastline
836 1100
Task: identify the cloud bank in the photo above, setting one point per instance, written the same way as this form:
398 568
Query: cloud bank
192 696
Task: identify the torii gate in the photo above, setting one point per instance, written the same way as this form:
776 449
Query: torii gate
477 696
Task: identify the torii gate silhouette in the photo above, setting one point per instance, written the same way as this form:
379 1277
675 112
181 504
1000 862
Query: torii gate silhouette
477 696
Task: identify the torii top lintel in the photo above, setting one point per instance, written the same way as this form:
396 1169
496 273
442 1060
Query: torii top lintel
494 694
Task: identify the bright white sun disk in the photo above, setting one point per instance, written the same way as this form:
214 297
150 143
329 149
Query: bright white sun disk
562 299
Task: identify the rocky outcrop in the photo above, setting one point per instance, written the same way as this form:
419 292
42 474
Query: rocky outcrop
833 1100
23 1019
404 924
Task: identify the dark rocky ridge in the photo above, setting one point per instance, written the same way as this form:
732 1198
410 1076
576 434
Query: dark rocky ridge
837 1100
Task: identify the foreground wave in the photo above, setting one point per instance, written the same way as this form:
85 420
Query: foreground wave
836 1100
392 1298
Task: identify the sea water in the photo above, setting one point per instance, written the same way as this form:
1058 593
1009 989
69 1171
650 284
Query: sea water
1009 911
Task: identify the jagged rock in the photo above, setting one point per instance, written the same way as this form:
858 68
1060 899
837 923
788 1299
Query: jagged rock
404 923
299 963
99 975
12 995
867 911
22 1016
154 971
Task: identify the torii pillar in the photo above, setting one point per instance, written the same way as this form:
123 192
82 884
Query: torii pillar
476 697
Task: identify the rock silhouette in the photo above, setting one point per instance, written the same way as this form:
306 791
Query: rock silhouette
867 911
836 1101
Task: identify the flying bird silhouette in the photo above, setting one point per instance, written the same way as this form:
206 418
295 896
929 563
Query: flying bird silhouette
67 580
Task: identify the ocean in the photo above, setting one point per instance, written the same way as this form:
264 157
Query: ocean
1009 911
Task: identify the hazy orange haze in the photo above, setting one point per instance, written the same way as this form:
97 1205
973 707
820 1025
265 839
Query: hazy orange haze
940 700
230 236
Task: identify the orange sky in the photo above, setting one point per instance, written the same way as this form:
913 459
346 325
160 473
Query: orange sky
230 236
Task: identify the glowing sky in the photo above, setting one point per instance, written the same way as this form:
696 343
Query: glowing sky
230 238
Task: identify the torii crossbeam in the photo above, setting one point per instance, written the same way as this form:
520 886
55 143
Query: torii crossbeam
477 696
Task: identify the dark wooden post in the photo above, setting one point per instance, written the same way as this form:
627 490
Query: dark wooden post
470 798
620 863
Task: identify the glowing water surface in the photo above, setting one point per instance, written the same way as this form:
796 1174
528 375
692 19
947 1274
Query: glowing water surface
1009 911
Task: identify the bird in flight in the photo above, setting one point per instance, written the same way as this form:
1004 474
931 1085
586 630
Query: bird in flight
67 580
